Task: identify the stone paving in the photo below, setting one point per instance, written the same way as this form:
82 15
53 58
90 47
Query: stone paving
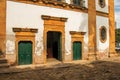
107 69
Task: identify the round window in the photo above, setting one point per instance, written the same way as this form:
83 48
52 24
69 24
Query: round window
102 3
103 34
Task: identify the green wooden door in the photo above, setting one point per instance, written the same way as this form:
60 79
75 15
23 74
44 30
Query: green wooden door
24 52
59 47
77 50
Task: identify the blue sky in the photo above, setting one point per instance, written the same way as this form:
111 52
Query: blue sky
117 13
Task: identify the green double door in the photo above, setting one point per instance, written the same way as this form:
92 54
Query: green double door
24 52
77 50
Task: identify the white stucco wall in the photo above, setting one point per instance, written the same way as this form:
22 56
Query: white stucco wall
102 21
86 3
29 16
98 8
68 1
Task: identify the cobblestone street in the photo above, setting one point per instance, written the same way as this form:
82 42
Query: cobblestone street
108 69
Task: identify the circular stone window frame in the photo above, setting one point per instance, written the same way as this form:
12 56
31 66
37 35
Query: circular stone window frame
104 3
101 39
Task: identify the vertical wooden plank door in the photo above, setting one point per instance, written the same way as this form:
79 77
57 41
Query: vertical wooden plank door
77 50
24 52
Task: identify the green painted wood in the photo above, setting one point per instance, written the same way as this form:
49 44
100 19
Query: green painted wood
24 52
59 47
77 50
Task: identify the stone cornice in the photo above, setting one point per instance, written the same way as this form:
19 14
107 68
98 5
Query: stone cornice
79 33
99 13
60 5
25 30
54 4
45 17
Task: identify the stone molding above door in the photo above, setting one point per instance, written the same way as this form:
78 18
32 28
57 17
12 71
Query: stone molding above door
25 34
56 24
79 37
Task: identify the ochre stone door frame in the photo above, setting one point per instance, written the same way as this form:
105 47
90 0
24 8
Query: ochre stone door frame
2 28
25 34
77 37
55 24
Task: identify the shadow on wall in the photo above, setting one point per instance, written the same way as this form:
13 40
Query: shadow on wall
84 24
83 27
96 70
1 53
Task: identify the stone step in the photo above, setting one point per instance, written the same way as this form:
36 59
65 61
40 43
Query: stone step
3 60
5 65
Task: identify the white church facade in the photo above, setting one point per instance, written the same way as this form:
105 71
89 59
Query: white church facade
67 30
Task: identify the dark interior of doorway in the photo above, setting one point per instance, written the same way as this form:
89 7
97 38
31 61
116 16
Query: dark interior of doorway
54 45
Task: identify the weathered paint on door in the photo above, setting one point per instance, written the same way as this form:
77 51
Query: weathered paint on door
24 52
77 50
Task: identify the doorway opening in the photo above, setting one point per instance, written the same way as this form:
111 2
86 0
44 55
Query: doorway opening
54 45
